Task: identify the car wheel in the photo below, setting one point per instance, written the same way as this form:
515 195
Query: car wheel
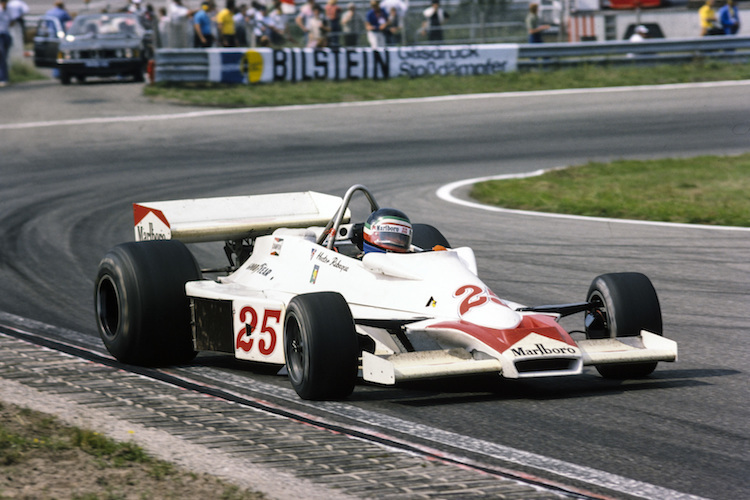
142 312
65 78
625 304
138 76
320 346
426 237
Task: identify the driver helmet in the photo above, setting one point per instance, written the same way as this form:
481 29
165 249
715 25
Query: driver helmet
387 230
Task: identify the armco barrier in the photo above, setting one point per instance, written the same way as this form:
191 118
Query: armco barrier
204 65
648 52
265 65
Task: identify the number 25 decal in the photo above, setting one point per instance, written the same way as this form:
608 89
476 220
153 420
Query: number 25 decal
249 317
476 297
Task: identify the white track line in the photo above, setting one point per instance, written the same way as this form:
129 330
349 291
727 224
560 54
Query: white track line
445 193
276 109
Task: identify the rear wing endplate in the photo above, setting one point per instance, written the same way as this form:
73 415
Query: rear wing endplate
231 218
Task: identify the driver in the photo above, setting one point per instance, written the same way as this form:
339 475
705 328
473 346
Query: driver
387 230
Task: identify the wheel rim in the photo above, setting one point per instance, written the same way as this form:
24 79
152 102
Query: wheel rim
597 324
108 307
296 350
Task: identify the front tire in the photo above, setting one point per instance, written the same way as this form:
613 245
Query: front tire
320 346
142 312
625 304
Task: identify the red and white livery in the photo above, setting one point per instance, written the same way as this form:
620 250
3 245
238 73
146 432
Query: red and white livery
299 291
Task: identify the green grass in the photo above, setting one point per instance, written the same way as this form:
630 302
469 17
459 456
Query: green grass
20 72
37 433
42 458
312 92
703 190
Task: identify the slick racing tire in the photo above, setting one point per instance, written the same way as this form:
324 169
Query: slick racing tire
626 303
320 346
426 237
142 312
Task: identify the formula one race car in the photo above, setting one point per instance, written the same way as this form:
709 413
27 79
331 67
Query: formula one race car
329 297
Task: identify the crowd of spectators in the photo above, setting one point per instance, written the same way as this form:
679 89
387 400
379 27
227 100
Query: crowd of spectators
274 23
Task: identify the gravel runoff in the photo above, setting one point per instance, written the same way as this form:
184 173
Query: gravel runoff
164 446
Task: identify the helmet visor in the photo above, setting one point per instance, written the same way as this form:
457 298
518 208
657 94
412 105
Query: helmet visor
390 235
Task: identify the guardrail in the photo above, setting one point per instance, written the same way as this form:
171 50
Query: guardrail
192 65
649 52
181 65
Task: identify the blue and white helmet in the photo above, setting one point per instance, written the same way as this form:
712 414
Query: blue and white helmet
387 230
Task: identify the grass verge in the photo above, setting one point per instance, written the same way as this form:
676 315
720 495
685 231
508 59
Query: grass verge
702 190
41 458
320 91
20 72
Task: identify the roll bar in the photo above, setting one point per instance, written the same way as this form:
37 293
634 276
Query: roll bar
332 228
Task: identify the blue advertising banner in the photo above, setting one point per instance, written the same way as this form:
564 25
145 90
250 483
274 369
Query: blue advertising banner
265 65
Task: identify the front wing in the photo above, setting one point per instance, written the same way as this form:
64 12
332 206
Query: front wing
394 368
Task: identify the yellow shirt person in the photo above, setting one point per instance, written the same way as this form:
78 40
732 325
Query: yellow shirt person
225 24
707 16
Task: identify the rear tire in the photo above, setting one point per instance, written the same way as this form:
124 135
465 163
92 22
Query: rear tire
142 312
626 303
426 237
320 346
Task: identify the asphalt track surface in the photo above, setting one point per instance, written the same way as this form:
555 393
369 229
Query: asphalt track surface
73 159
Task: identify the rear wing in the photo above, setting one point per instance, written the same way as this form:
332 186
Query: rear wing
231 218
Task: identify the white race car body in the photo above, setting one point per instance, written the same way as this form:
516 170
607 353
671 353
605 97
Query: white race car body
426 313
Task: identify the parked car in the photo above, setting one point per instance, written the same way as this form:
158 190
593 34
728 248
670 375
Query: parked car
102 45
49 33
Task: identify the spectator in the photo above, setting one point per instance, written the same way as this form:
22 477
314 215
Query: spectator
277 26
376 22
350 25
134 7
708 20
391 31
333 15
149 17
533 28
256 17
286 8
396 10
269 29
204 38
729 17
434 16
316 29
639 34
225 25
59 12
305 12
179 25
162 32
5 42
17 10
240 25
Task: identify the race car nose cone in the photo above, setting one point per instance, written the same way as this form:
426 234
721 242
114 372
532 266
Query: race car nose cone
492 315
